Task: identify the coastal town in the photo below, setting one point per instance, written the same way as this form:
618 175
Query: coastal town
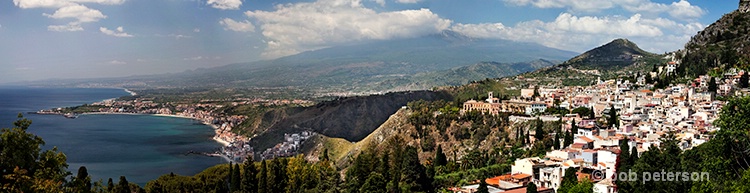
235 147
645 116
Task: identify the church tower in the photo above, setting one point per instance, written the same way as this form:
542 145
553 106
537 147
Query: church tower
744 6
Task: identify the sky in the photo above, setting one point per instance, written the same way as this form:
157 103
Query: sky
59 39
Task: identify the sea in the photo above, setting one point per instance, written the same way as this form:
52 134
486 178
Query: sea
139 147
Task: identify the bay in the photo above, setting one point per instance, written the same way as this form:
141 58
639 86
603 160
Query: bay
139 147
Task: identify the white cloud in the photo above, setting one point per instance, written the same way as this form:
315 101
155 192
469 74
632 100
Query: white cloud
118 33
72 26
575 33
179 36
194 58
69 9
26 4
225 4
241 26
196 30
678 10
408 1
117 62
293 28
79 12
684 9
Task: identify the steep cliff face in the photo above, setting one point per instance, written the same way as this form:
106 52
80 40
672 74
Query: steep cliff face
351 118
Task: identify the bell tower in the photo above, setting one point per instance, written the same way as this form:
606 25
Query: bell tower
744 6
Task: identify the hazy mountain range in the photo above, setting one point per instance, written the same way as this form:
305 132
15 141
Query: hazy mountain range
448 58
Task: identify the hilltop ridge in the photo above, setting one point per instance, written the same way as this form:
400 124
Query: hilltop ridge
611 56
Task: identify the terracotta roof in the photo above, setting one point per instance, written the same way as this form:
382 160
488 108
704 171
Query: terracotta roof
520 176
586 139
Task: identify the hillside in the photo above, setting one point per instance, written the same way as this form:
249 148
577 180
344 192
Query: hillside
350 118
620 58
611 56
722 45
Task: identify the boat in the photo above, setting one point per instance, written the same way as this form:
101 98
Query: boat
70 115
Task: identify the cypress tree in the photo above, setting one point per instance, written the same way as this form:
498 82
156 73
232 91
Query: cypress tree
230 176
249 178
568 139
110 185
612 120
744 80
573 127
539 130
482 187
263 178
556 144
712 87
123 186
236 178
440 159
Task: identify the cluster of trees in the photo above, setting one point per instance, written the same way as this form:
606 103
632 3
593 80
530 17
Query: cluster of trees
291 175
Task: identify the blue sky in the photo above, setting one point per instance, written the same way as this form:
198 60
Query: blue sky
47 39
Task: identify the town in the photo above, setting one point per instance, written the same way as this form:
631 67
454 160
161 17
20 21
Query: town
644 115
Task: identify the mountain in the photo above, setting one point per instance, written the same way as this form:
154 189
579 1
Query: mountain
723 44
374 66
371 67
613 55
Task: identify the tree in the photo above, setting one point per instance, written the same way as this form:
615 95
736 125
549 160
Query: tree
744 80
556 144
82 181
612 120
585 186
539 130
263 178
568 139
249 176
531 188
582 111
570 179
573 127
123 186
413 176
236 178
110 185
24 167
375 183
482 187
440 159
712 87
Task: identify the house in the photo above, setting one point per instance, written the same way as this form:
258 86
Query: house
605 186
528 166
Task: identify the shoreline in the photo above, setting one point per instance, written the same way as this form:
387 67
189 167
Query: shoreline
130 92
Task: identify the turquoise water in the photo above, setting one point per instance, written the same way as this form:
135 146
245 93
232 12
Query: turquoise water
140 147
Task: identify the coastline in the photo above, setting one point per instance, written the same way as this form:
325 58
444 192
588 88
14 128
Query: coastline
130 92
